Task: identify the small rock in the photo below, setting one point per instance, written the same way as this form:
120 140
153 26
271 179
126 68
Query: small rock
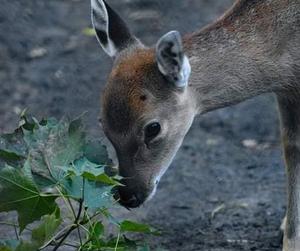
59 74
212 142
71 45
37 52
250 143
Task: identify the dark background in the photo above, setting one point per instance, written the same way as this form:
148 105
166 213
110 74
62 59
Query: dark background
219 194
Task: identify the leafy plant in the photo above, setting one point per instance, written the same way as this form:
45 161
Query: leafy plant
47 161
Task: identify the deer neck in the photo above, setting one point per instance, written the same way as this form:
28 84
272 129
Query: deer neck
235 58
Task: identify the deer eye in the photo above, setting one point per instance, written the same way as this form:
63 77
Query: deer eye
152 130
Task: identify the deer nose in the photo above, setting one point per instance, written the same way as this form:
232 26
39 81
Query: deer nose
129 198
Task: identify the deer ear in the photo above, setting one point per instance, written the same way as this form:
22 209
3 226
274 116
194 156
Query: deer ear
111 31
171 60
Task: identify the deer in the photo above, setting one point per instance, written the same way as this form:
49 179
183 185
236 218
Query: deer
153 93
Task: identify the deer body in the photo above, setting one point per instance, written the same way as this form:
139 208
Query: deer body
153 94
253 49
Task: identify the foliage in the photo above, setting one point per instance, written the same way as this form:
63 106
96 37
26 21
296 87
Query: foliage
90 32
49 160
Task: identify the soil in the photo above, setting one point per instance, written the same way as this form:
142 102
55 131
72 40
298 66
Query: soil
226 188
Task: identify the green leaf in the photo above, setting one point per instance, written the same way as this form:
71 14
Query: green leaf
121 244
89 32
19 193
83 165
93 172
95 194
28 122
5 248
43 233
103 178
42 156
53 145
96 152
130 226
144 248
96 230
13 149
47 228
87 181
8 245
27 246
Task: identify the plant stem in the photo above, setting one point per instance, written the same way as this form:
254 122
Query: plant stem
67 202
67 244
117 243
78 230
72 208
70 245
72 228
79 235
16 232
58 236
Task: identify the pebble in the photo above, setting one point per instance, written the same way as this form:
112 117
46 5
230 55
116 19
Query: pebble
250 143
37 52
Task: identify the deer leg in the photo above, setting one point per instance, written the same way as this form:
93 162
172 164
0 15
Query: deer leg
290 128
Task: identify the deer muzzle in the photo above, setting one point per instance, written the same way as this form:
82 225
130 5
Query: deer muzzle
132 194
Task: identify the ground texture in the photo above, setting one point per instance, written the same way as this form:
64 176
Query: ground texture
223 192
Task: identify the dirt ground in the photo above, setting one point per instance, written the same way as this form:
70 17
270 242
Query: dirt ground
226 188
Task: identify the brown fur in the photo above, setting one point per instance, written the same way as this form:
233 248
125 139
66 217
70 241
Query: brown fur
252 49
126 89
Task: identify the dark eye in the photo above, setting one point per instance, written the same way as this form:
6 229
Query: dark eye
152 130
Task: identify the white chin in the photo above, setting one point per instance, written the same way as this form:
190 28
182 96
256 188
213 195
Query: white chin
152 194
156 181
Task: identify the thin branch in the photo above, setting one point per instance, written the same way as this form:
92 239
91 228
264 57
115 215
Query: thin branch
78 230
67 244
59 244
16 232
79 235
86 242
57 237
96 214
71 209
117 243
72 228
83 187
71 245
84 228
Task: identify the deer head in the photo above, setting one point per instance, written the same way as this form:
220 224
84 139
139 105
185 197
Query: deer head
147 107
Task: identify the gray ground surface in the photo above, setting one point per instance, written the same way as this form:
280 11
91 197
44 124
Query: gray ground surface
212 170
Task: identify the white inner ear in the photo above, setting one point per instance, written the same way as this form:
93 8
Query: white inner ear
98 6
111 48
162 69
184 73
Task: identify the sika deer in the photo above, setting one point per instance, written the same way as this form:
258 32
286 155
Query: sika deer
153 94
